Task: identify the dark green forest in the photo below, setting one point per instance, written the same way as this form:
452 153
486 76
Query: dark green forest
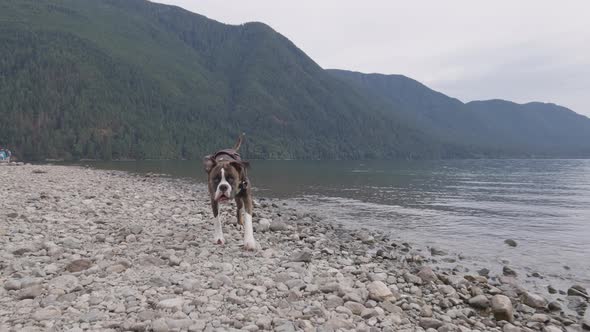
120 79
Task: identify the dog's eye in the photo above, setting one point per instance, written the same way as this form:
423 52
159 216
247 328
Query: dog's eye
217 179
230 178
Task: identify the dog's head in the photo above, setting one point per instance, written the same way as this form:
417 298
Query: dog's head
224 178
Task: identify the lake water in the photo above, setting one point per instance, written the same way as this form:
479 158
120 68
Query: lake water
463 206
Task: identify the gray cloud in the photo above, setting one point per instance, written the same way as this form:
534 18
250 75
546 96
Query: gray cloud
518 50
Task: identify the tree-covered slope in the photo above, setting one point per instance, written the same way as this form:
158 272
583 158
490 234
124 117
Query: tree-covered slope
135 79
85 79
494 127
542 128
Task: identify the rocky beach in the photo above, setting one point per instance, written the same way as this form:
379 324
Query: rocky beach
85 249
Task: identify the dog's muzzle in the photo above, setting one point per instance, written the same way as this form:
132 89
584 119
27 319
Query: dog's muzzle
223 193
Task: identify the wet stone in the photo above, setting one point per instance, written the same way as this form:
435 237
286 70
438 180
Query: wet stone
534 300
79 265
510 242
509 272
502 308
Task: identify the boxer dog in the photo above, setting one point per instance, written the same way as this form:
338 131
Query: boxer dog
227 180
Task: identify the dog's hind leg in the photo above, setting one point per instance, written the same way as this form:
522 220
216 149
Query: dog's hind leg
218 232
240 206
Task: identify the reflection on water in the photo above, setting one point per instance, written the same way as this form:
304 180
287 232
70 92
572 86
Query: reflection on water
469 205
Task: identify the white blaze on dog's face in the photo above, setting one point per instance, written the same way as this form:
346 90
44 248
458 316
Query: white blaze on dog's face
224 188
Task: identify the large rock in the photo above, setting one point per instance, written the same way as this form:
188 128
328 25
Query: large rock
510 242
507 271
285 327
30 292
369 312
178 324
160 325
174 304
278 226
554 306
47 313
28 282
511 328
333 301
540 318
578 290
552 328
145 259
534 300
586 324
52 249
336 324
479 301
378 291
502 308
447 290
12 284
79 265
301 256
116 268
427 274
430 323
426 311
331 287
263 225
434 251
65 282
355 307
484 272
448 327
577 304
410 278
92 316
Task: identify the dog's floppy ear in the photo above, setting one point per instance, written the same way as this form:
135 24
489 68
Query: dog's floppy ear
209 163
240 165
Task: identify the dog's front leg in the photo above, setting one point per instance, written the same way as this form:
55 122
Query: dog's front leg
218 237
249 242
218 232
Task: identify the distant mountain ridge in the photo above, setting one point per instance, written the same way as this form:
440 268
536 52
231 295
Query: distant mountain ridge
135 79
537 128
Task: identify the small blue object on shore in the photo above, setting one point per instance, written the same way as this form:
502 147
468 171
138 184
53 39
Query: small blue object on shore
4 155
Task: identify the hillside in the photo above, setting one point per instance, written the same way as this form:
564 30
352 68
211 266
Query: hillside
497 127
542 128
134 79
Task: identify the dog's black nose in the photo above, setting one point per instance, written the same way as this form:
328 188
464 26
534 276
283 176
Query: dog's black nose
223 187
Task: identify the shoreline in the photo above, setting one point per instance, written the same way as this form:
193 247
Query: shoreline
93 249
503 251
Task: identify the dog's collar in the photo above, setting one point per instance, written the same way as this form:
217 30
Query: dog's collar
242 186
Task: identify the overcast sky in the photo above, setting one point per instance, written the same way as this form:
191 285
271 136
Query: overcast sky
525 50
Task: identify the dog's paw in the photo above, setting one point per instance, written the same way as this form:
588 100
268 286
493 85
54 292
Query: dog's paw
219 240
250 245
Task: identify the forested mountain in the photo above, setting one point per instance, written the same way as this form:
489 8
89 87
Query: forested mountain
135 79
495 127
